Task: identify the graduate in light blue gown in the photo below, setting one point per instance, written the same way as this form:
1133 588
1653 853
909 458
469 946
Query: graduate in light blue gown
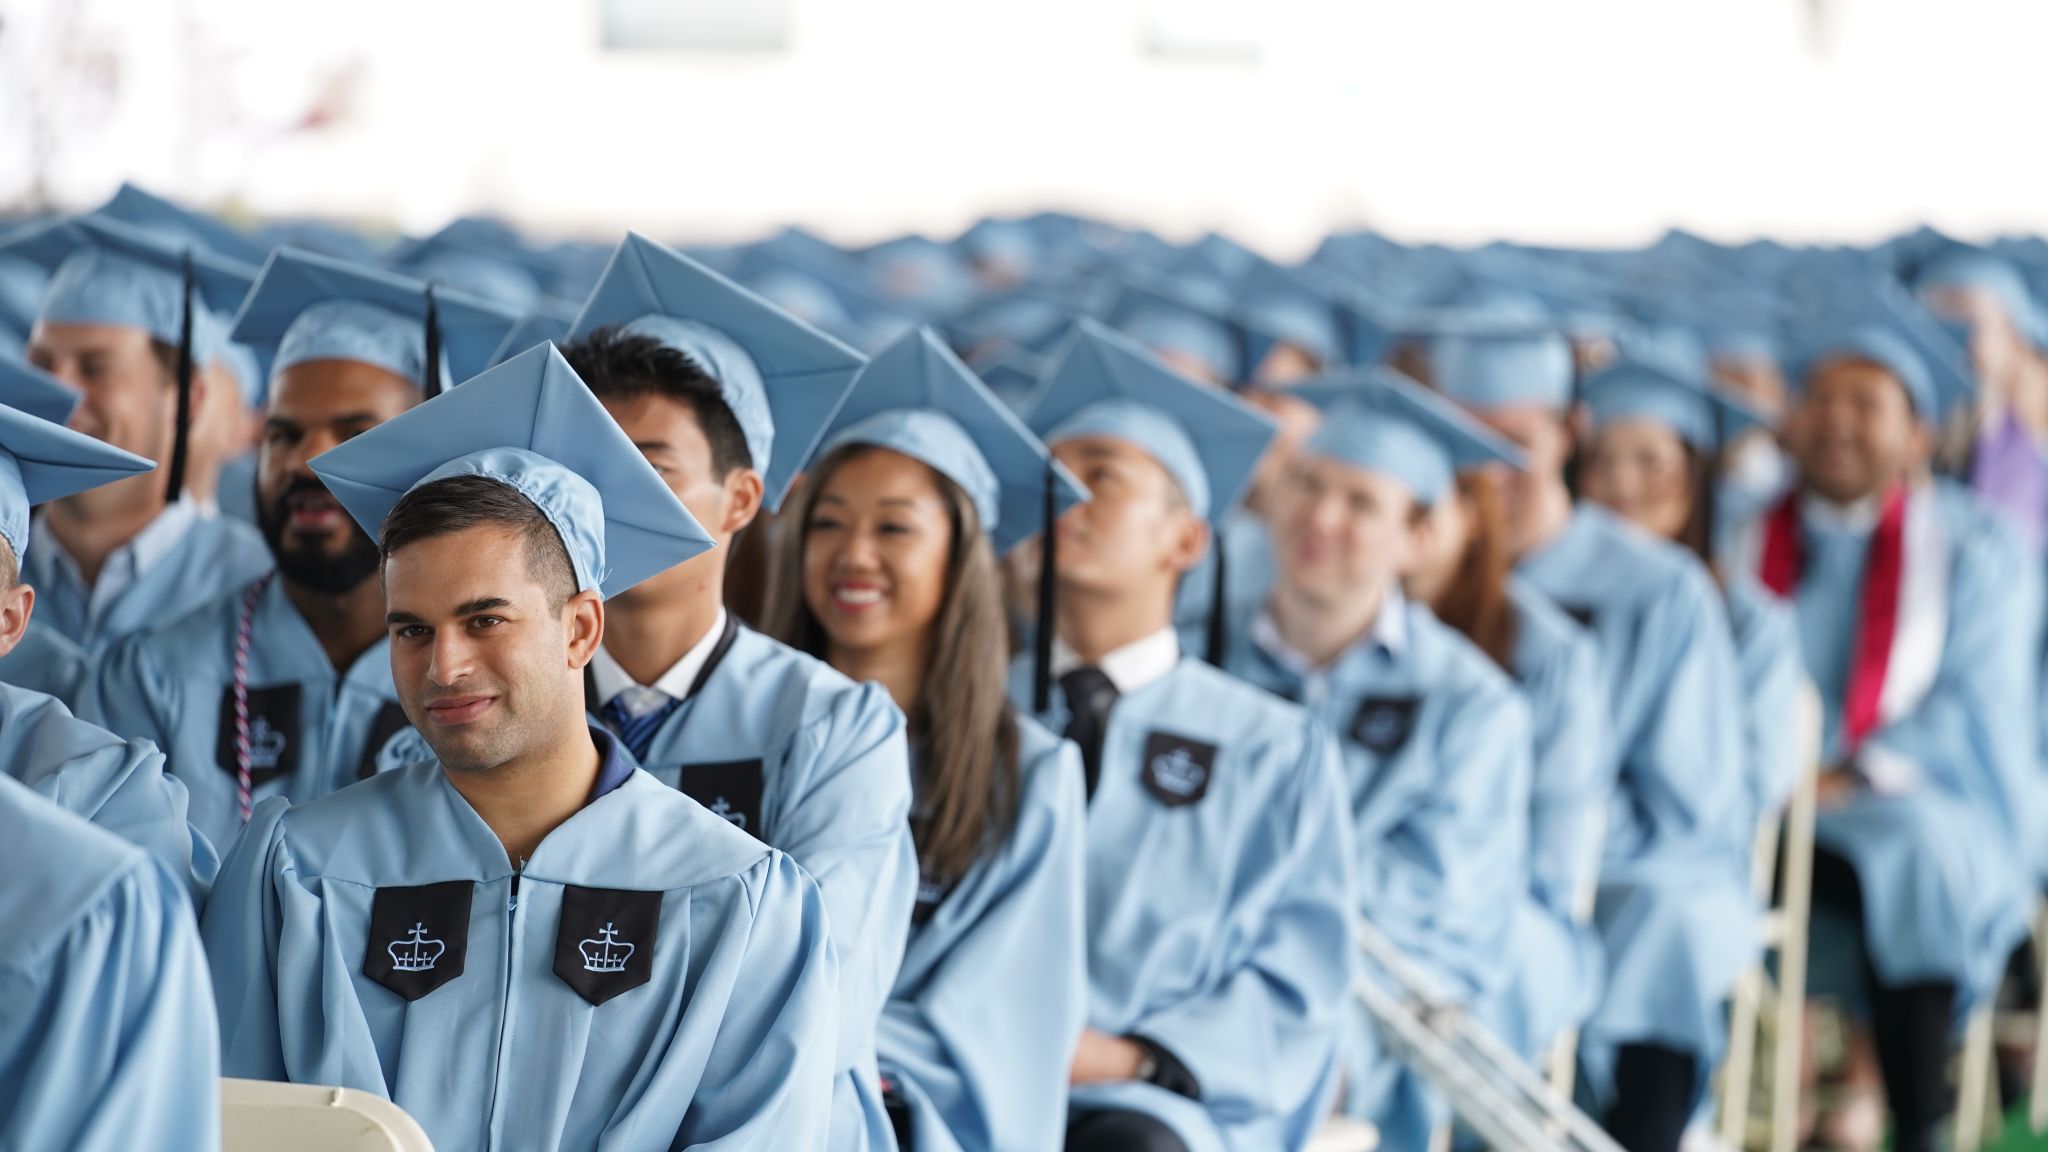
117 784
1464 573
282 686
1219 856
123 322
726 396
44 660
1658 428
1435 737
888 569
222 476
1674 913
525 942
107 1033
1921 872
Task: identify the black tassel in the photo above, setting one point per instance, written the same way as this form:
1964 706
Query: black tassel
1219 611
1041 641
430 371
181 437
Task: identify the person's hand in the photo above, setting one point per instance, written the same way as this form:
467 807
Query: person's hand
1835 787
1101 1057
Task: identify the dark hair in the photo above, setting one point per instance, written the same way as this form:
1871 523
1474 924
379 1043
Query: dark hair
1698 532
962 722
1476 602
620 365
460 503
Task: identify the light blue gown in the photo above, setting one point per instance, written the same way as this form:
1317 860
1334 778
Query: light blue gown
1943 867
980 1030
117 784
48 662
1674 914
817 766
1219 897
1767 649
214 556
1248 553
107 1036
311 731
1556 975
652 978
1436 752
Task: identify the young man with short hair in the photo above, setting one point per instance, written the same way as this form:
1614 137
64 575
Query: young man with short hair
526 942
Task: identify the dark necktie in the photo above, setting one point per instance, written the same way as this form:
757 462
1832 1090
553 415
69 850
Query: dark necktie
636 731
1090 696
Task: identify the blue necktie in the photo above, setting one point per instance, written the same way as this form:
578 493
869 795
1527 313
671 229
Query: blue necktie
637 731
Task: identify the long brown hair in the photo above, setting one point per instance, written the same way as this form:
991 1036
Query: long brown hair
1475 602
962 721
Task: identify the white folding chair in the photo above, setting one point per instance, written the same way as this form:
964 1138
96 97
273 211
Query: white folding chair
1782 929
2037 1105
1343 1134
1976 1085
260 1116
1564 1052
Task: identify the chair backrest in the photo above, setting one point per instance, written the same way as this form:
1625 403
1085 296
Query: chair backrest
260 1116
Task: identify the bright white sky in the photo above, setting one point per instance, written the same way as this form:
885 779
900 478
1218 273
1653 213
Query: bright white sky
1554 120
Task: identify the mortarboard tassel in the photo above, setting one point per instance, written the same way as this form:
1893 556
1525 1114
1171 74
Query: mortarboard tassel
1219 628
430 371
1041 669
174 473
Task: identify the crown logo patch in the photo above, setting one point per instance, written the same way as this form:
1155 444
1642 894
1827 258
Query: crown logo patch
606 941
415 953
608 954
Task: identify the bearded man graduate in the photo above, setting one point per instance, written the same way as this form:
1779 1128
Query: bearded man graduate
283 686
526 941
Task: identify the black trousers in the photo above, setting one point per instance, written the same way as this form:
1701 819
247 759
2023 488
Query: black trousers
1116 1131
1911 1022
1653 1088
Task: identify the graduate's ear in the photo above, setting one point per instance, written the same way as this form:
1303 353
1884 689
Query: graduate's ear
16 605
743 494
583 624
1422 532
1188 540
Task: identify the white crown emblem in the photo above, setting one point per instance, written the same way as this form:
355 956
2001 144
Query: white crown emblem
719 807
266 744
1178 772
415 953
606 955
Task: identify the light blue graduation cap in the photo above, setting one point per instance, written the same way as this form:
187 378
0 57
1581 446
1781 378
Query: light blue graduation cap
1164 317
1884 325
1486 362
917 398
106 272
1965 267
1674 394
531 424
1378 420
310 307
1281 305
549 323
152 213
41 461
1010 245
921 273
29 389
482 257
1103 384
782 379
